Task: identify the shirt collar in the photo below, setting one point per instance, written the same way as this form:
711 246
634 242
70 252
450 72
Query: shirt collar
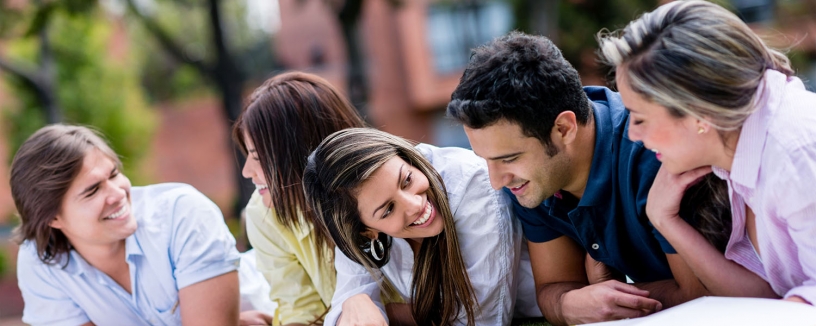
599 182
745 167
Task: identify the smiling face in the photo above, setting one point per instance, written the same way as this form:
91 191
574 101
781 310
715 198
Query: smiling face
96 209
394 200
519 162
676 141
254 171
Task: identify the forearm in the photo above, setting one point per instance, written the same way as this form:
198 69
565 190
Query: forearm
550 300
670 293
720 276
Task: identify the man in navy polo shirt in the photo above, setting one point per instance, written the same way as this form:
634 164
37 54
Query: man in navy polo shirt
579 185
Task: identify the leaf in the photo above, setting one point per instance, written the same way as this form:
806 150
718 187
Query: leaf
41 18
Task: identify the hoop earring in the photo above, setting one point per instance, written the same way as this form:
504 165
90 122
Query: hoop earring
380 247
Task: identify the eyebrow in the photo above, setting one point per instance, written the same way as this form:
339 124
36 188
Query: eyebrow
90 188
505 156
399 178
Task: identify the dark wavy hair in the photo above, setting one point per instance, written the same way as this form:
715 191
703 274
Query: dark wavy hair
523 79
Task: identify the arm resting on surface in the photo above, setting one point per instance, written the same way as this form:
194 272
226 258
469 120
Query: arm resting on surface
211 302
559 268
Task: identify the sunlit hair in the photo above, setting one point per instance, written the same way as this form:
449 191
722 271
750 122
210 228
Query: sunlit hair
694 58
286 118
334 173
41 173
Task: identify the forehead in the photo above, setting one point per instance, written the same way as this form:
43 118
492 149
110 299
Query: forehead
499 138
95 165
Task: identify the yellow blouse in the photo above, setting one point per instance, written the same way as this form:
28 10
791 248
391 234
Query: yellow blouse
301 285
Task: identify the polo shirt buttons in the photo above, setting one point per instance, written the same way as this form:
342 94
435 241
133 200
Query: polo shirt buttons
595 246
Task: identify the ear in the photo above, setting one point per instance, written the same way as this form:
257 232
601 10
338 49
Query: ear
56 222
370 233
565 128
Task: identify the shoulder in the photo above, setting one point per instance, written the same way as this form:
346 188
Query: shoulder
30 269
163 209
793 124
459 168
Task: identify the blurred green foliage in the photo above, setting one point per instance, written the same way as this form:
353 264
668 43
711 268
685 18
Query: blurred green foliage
96 86
580 21
165 78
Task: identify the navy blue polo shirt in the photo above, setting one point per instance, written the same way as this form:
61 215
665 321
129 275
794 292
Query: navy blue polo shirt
610 220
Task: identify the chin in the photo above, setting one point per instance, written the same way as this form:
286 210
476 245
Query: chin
267 200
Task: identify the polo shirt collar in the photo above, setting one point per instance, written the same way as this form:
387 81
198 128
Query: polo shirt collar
751 144
599 182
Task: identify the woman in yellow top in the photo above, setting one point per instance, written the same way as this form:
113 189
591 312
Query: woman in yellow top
283 121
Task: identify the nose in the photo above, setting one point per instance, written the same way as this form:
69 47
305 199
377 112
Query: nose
413 204
246 171
117 193
498 178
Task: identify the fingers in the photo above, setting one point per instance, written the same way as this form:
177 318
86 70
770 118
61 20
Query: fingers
637 302
693 176
628 288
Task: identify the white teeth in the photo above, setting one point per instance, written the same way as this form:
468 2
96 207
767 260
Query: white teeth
656 151
261 187
118 213
425 216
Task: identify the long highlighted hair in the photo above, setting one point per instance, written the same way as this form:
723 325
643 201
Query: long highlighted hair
334 172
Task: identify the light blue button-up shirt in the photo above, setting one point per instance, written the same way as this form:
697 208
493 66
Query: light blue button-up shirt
181 240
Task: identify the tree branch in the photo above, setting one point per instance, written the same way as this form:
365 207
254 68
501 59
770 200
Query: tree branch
28 76
167 42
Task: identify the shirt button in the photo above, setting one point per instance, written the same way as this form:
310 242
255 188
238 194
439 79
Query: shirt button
595 246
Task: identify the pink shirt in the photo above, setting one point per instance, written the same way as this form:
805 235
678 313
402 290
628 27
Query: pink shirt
774 173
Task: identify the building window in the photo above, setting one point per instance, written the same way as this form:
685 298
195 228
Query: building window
454 28
754 11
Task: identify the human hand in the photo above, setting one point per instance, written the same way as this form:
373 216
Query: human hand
254 317
798 299
667 191
359 310
609 300
598 272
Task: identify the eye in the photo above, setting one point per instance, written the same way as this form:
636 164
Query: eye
407 180
388 210
114 173
92 192
636 122
510 160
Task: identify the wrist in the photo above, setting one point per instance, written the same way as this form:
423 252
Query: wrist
667 222
564 308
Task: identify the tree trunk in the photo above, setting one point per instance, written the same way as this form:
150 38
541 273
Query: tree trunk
230 81
46 80
349 16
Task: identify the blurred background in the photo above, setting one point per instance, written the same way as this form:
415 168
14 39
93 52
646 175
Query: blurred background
164 79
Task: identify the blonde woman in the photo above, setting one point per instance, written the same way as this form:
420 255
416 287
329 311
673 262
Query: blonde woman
423 220
705 93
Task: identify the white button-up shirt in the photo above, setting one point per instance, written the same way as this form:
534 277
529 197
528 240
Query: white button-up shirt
181 240
489 238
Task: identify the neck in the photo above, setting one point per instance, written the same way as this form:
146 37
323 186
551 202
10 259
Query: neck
415 245
725 149
103 257
581 152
